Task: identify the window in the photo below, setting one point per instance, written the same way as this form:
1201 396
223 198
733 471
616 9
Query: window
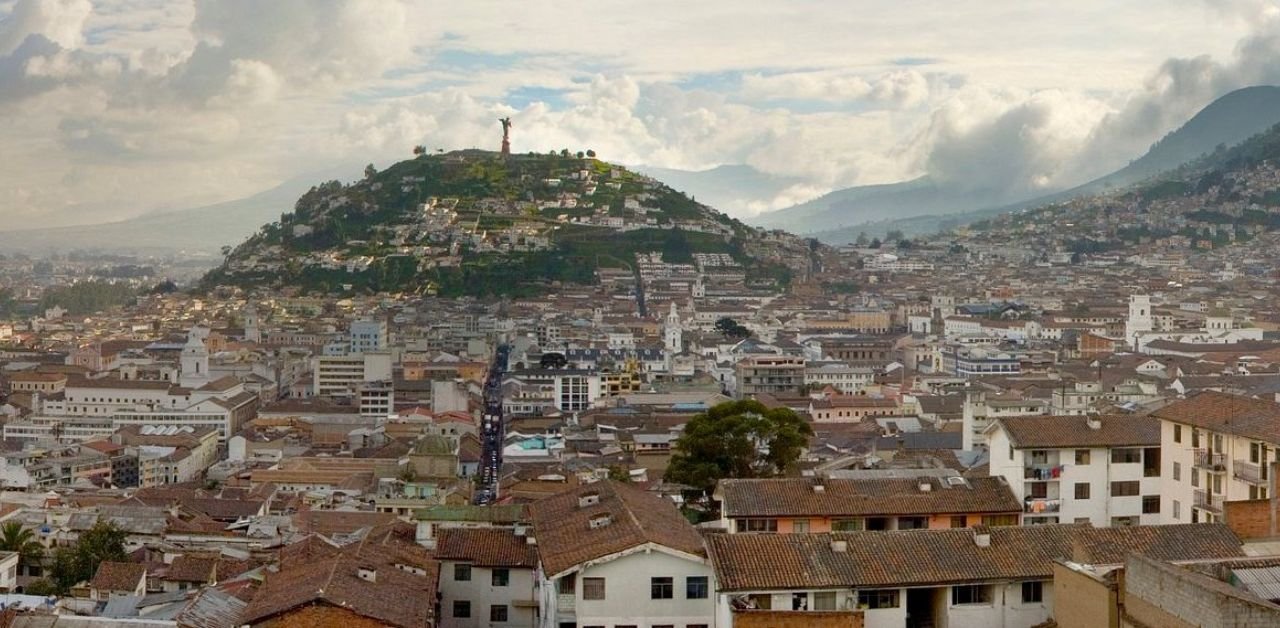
1257 451
462 608
800 526
1124 489
1122 522
501 577
1082 490
1195 438
1177 510
661 588
1126 456
498 612
695 587
913 523
1217 443
1150 504
757 525
1032 592
878 598
846 525
1082 456
824 601
461 573
1151 462
1011 452
593 588
959 521
1177 433
970 594
1177 472
1039 490
1195 478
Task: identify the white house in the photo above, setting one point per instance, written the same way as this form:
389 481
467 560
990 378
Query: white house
487 577
614 555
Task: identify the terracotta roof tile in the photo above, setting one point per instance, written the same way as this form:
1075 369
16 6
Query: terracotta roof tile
888 496
1117 430
1252 418
566 536
117 576
486 547
933 557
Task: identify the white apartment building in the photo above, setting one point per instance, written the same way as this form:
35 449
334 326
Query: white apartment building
1217 448
339 375
1104 470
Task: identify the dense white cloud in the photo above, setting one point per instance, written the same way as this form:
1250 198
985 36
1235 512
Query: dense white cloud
121 106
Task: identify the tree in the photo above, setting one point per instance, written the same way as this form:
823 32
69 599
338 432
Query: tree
76 564
863 239
15 538
618 474
893 236
553 360
591 153
370 171
875 243
419 150
737 439
581 154
731 329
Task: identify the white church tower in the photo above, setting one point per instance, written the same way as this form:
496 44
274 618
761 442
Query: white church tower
1140 320
672 331
252 329
194 371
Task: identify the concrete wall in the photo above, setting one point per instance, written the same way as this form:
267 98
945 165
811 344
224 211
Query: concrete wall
1160 594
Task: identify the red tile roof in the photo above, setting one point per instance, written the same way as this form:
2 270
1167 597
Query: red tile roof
566 537
486 547
1052 432
932 557
784 497
1222 412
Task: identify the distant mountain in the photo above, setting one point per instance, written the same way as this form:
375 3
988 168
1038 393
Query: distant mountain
198 229
732 189
871 203
473 223
1226 122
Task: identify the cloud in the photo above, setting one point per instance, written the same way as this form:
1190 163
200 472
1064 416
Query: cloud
123 106
58 21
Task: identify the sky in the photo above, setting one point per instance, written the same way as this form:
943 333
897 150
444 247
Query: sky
114 108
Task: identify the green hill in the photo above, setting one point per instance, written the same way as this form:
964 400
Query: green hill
473 223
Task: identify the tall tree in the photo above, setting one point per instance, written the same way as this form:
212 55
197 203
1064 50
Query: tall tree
76 564
737 439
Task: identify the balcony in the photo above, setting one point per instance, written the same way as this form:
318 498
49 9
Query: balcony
1249 472
1036 506
1205 459
1042 473
1205 501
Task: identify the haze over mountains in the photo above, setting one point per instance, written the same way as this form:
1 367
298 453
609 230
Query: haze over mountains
1225 122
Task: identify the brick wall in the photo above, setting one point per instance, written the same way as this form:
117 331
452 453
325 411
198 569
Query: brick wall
1249 519
797 619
